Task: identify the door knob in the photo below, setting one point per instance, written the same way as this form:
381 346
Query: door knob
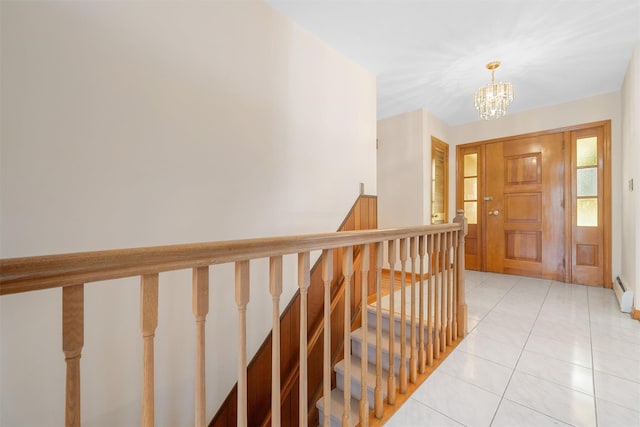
496 213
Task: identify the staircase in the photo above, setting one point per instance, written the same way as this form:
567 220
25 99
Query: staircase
357 342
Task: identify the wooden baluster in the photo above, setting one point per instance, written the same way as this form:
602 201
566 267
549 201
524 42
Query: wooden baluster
364 399
378 390
413 358
391 381
462 306
430 299
443 292
275 287
438 300
403 317
327 275
72 343
149 322
347 272
422 360
242 299
455 285
200 305
303 285
450 290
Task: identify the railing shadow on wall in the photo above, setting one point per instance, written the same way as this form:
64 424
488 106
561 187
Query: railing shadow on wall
439 290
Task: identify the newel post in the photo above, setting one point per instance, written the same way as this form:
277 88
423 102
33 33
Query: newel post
462 305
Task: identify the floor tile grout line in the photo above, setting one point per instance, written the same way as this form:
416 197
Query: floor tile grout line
519 356
593 365
434 409
535 410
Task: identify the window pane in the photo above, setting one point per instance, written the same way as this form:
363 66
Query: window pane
471 212
587 151
471 164
587 182
587 212
471 189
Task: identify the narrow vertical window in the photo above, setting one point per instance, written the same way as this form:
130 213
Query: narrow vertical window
587 182
470 183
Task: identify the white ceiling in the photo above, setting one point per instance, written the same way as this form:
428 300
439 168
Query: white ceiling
432 53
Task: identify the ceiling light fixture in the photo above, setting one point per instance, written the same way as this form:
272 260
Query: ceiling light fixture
492 100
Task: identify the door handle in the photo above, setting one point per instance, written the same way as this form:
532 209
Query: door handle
493 213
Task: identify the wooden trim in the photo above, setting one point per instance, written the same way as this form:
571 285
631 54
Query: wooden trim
567 200
636 314
607 206
537 133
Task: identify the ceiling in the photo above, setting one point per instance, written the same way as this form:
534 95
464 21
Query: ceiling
432 53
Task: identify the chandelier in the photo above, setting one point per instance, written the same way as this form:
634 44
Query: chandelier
492 100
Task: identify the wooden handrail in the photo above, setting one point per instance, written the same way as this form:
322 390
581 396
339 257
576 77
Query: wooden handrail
27 274
73 271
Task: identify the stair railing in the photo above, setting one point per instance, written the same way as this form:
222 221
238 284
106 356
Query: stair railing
439 247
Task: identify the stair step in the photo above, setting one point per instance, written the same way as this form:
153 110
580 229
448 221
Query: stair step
355 378
337 407
372 322
356 348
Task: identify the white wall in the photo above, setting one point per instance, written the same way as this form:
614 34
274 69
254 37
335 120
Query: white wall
439 129
404 167
597 108
631 159
401 178
141 123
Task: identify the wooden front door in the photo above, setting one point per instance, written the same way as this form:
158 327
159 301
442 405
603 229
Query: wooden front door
539 204
524 207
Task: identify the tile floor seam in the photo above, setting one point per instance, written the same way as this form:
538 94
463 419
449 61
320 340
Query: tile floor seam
488 360
618 404
537 411
520 355
555 383
593 367
560 360
494 305
617 376
434 409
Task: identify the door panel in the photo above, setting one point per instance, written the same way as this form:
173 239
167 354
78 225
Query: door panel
469 173
587 146
524 212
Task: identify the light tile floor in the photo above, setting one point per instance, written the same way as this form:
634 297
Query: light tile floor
538 353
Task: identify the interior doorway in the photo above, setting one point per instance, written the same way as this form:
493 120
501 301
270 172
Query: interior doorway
439 181
539 204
